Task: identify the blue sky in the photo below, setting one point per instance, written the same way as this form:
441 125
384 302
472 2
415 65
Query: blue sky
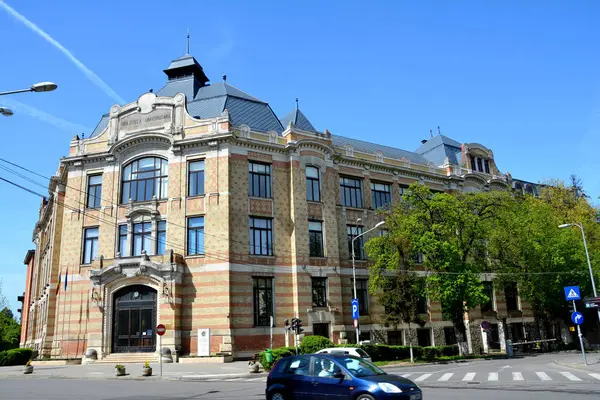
518 77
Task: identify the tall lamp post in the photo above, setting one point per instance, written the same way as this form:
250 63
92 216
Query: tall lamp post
37 87
354 258
587 255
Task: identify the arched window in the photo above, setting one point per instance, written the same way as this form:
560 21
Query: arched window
144 179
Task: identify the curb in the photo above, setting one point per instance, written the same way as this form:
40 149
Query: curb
184 378
574 365
443 362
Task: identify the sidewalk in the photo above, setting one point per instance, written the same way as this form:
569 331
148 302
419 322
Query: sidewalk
175 371
575 360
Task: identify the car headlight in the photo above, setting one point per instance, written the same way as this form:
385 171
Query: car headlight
389 388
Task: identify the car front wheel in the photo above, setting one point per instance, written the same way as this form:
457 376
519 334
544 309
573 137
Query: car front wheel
365 396
277 396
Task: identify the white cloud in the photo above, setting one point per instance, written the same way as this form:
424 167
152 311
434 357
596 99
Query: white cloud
95 79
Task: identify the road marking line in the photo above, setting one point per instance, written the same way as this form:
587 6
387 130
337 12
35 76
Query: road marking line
445 377
517 376
469 376
597 376
543 376
570 376
493 376
422 377
405 375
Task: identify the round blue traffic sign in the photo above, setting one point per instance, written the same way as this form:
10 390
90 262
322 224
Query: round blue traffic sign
485 326
577 318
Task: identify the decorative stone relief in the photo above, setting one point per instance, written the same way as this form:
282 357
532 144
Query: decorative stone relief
349 150
431 166
379 156
244 131
405 162
272 136
132 267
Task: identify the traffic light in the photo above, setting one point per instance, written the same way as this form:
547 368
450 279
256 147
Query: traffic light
294 324
299 329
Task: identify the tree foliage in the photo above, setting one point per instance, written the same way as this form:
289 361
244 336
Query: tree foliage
10 330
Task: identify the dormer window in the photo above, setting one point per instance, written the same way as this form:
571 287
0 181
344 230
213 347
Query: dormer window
479 164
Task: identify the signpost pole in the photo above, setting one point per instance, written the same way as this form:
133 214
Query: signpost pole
271 332
160 353
580 337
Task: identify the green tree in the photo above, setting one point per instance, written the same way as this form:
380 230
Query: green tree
10 330
530 249
451 230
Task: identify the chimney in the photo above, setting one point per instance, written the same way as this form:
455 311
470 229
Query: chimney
423 141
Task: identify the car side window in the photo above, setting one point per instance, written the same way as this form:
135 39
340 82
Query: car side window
324 367
298 366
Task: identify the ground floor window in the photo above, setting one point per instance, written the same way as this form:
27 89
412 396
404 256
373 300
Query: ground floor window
321 330
394 338
450 335
424 337
364 336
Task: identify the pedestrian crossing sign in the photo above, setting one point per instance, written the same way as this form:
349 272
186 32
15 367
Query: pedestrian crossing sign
572 293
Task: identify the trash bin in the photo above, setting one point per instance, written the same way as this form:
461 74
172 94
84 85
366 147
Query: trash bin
509 348
269 355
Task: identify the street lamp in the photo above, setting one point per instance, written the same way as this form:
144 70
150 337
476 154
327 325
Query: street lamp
353 260
7 112
37 87
587 255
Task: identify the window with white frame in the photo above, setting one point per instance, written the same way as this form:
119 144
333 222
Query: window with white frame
259 179
90 244
313 190
144 179
196 178
261 236
381 194
351 192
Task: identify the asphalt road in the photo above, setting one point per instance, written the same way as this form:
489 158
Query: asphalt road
13 389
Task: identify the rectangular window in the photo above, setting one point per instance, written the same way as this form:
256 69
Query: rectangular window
196 178
381 195
261 236
195 236
263 301
351 191
473 164
123 250
424 337
511 293
94 192
319 292
142 238
487 166
313 190
161 237
362 293
402 189
315 238
479 165
354 231
364 336
449 335
394 338
489 292
90 244
259 180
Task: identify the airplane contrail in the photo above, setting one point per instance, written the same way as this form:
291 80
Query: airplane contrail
96 80
63 125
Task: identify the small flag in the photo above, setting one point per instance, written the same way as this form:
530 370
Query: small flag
58 284
66 278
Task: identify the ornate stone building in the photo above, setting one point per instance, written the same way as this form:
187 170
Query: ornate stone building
198 208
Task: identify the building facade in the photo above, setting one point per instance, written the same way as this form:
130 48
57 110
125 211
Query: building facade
198 208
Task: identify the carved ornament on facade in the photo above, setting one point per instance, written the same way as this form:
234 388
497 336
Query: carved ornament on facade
132 267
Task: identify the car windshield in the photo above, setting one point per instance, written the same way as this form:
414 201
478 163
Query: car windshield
360 368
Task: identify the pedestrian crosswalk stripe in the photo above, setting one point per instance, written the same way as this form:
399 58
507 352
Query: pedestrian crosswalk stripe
405 375
597 376
422 377
570 376
469 376
517 376
445 377
493 376
543 376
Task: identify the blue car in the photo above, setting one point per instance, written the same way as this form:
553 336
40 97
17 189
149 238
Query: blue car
331 377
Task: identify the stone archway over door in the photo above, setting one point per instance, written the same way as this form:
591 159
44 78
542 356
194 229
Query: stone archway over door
134 320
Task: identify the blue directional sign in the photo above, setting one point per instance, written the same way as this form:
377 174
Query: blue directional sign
354 308
577 318
572 293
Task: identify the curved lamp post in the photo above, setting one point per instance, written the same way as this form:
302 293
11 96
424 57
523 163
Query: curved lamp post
353 258
587 255
37 87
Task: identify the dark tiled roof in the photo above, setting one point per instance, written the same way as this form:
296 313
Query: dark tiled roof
184 61
439 147
366 147
299 119
101 125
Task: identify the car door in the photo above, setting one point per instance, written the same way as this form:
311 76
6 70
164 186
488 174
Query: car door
297 378
326 386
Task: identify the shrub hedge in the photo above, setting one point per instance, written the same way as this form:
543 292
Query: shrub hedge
378 352
15 357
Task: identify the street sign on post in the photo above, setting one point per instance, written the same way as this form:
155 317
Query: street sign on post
572 293
577 318
485 326
160 330
592 302
355 309
355 323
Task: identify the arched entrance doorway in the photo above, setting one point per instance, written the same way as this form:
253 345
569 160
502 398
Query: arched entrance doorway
134 320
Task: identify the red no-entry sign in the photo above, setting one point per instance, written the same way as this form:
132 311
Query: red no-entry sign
160 330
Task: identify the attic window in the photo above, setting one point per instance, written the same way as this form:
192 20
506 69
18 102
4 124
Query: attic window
480 164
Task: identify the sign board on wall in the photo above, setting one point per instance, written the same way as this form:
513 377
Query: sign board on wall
137 121
204 342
